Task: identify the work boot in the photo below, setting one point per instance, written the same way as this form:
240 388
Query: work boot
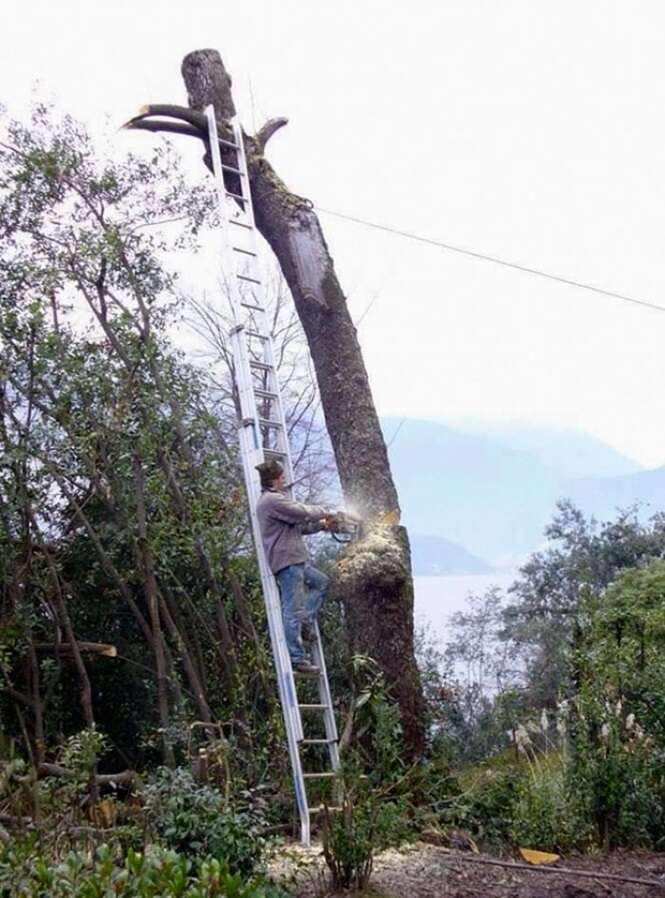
306 667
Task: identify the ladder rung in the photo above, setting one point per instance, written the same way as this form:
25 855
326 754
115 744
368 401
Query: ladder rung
262 366
266 422
246 252
265 394
228 143
275 453
237 196
311 707
249 305
318 741
240 224
324 775
318 808
236 171
244 277
257 335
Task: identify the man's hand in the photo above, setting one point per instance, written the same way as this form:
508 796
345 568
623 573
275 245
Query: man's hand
330 522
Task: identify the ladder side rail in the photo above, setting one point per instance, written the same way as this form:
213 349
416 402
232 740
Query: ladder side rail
252 454
249 415
251 451
289 701
242 165
280 417
284 672
329 721
254 259
285 679
264 326
227 253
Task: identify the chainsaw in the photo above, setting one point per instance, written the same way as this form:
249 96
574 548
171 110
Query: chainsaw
345 527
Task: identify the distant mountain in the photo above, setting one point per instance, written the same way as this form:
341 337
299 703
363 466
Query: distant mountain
572 453
603 496
436 556
494 496
492 500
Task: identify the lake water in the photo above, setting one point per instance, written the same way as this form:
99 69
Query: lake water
436 598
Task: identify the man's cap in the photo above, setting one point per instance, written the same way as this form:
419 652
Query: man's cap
269 470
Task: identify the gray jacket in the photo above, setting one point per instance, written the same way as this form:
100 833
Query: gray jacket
282 522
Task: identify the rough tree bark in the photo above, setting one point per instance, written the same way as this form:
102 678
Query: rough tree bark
375 576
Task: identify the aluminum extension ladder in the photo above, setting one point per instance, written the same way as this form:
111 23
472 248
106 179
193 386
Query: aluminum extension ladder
263 435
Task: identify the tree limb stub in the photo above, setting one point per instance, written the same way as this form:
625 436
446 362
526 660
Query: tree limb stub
264 134
161 126
169 110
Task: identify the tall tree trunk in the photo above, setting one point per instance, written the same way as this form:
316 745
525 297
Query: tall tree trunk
375 579
152 601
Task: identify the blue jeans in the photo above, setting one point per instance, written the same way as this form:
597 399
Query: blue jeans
302 589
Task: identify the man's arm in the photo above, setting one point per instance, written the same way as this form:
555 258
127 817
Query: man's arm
291 512
316 526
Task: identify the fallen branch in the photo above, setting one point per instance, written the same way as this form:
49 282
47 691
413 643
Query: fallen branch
15 821
87 832
126 776
569 871
66 648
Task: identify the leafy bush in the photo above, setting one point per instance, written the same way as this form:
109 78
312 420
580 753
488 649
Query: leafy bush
616 775
26 873
192 819
373 786
617 737
351 837
545 813
487 807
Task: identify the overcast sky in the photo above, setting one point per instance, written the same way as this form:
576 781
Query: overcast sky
525 129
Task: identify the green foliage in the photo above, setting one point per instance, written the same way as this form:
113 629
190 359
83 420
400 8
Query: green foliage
585 621
26 873
599 780
546 812
192 819
352 837
81 751
94 391
617 729
518 799
582 556
617 782
486 806
621 641
373 787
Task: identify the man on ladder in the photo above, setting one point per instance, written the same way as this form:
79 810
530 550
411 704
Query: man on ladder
302 587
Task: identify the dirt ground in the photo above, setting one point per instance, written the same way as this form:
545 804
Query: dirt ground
427 871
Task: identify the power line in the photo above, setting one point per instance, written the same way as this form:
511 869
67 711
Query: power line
394 436
494 259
